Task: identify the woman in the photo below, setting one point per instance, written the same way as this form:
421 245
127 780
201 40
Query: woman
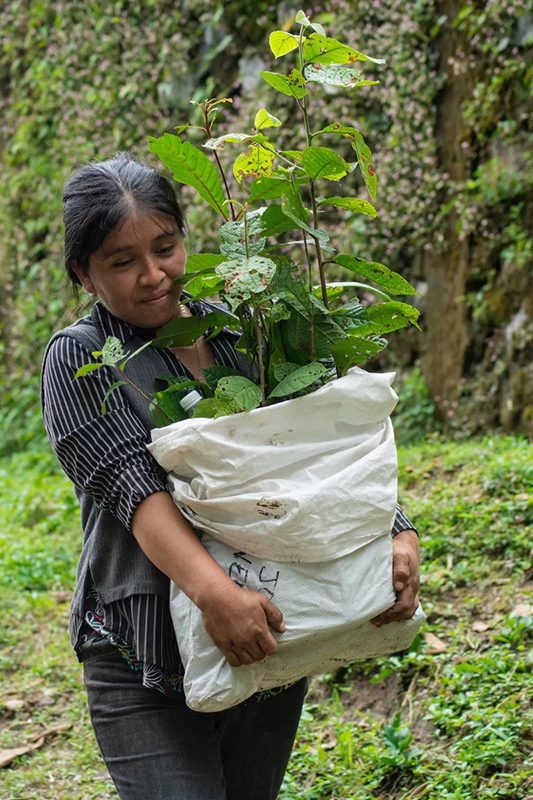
124 234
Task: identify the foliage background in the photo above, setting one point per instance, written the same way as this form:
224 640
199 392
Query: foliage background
450 126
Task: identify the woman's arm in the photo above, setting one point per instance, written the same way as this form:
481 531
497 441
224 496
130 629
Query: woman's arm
236 619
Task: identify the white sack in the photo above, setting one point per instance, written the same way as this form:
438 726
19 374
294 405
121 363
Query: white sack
310 479
326 608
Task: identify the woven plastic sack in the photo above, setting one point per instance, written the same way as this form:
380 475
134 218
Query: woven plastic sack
302 495
310 479
326 608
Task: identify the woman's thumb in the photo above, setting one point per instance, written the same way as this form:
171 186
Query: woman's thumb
274 617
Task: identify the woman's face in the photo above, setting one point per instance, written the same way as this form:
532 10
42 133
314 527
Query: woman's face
133 271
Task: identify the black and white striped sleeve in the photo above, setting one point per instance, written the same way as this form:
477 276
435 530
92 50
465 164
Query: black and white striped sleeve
401 522
104 455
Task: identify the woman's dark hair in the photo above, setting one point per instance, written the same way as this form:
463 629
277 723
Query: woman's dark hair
101 195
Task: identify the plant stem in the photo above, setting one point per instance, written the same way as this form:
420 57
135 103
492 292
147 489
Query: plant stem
205 112
150 399
304 106
260 354
312 308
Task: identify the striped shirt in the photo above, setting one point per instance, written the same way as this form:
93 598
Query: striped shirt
106 457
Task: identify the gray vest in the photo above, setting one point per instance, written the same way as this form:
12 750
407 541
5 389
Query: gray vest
111 558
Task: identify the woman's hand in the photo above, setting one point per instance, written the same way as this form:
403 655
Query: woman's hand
405 578
238 620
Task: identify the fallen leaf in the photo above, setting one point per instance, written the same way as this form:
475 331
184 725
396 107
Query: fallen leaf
409 469
479 626
14 705
522 610
436 645
7 756
523 496
37 741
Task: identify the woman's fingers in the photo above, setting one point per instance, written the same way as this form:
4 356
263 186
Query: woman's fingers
238 622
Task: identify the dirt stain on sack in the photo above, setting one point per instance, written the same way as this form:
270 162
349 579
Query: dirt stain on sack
270 508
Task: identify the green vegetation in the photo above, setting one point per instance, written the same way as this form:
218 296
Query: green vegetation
449 720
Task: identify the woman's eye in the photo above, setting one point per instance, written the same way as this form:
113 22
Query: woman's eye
122 263
166 250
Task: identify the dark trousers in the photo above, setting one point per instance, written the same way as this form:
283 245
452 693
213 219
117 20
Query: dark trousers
156 748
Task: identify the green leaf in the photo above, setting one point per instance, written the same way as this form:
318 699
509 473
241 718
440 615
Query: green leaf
86 369
387 317
301 19
296 334
299 379
275 222
184 331
213 374
351 204
364 154
108 392
293 208
206 408
202 261
334 75
278 312
265 120
255 161
272 187
321 162
376 272
191 167
292 85
132 355
170 408
354 350
282 43
204 286
351 315
245 277
245 394
282 370
320 49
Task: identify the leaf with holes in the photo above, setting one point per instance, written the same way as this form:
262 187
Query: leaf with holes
245 394
281 371
282 43
376 272
391 316
299 379
325 50
354 204
191 167
245 276
334 75
255 161
354 350
321 162
213 374
364 154
292 84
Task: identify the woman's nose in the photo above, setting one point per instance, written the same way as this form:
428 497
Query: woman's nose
152 274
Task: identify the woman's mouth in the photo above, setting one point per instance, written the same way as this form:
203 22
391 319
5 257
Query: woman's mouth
159 298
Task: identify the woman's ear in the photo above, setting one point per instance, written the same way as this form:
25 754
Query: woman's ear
83 277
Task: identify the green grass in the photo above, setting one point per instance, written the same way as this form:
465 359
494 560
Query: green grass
449 720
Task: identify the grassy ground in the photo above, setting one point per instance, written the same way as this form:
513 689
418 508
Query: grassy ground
449 720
